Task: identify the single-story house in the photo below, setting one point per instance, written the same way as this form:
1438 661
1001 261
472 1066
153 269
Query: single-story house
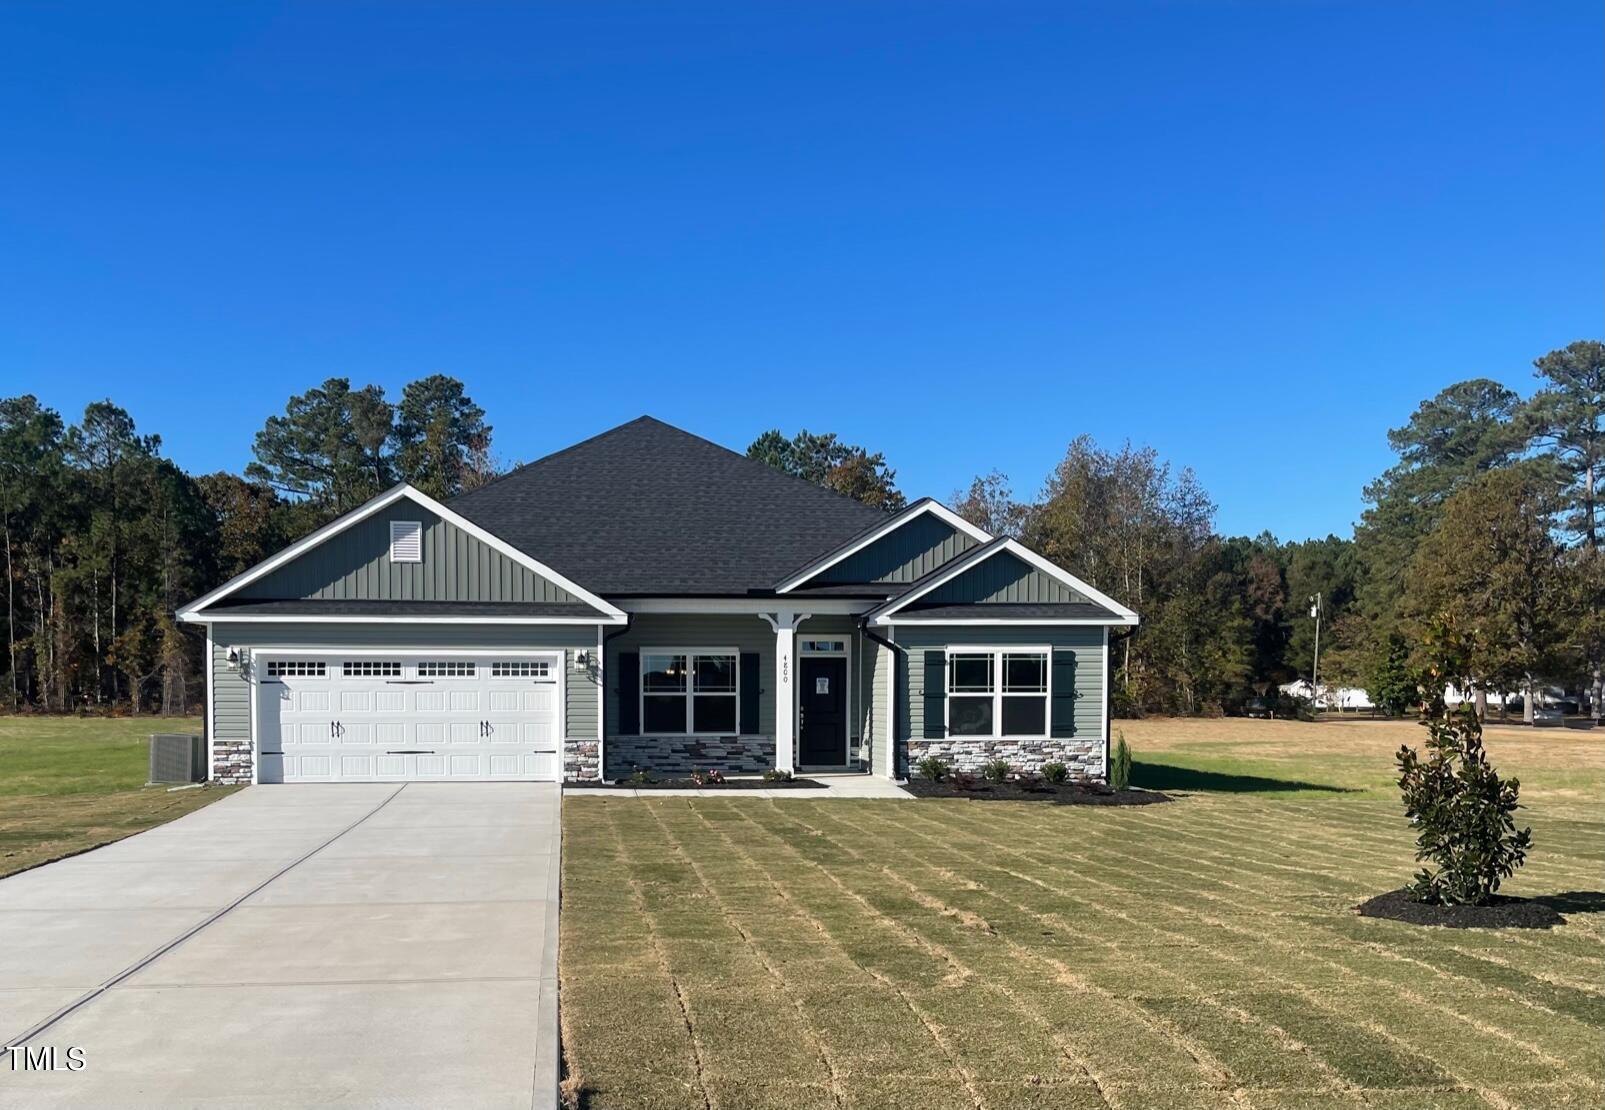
649 599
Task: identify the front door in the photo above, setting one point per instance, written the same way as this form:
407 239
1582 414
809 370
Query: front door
822 708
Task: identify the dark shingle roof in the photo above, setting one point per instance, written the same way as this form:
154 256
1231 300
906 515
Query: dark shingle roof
647 509
313 607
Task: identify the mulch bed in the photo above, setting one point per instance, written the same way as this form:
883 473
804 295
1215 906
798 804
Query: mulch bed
1065 794
1501 913
687 784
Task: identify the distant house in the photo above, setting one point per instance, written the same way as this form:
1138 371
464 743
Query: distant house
1328 697
648 599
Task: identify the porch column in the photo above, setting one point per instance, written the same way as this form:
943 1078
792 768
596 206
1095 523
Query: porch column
785 623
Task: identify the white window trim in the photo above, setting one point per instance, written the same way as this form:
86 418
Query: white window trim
690 691
997 652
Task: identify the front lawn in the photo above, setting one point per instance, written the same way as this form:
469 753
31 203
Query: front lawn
68 784
742 953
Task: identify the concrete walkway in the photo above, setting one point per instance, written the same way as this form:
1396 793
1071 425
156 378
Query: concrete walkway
296 946
840 785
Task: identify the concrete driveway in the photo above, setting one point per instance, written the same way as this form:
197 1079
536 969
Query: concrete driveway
295 946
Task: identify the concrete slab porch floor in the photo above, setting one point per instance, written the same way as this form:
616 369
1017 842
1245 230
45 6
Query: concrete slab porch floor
370 944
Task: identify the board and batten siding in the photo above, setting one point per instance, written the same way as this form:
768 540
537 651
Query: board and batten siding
354 565
1085 641
999 579
231 700
905 555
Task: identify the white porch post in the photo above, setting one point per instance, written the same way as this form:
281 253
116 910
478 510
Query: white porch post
785 623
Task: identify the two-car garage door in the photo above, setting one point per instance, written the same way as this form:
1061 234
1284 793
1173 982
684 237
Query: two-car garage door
366 718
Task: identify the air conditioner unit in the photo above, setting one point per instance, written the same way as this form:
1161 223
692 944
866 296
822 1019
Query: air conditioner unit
177 757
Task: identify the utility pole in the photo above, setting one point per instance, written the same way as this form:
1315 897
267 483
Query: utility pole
1315 668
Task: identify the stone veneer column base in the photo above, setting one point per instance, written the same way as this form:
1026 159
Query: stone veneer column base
580 762
1084 758
231 762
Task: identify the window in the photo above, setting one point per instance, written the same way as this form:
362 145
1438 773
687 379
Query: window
370 668
823 645
520 668
406 541
688 692
997 693
446 669
296 668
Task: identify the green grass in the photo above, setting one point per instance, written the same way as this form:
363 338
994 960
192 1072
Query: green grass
68 784
730 952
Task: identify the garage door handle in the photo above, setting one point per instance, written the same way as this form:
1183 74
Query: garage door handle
413 751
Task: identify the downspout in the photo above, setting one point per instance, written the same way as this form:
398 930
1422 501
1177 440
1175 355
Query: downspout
601 712
891 709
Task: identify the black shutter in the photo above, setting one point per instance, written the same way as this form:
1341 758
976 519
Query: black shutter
629 685
935 695
1063 709
749 691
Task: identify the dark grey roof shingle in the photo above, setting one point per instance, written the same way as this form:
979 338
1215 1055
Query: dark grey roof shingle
648 509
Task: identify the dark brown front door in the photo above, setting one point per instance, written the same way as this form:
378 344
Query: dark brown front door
822 701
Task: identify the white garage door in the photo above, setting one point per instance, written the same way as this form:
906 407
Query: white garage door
366 718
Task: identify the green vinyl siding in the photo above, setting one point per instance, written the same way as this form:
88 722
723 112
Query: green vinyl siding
354 565
998 579
743 632
1086 642
905 555
232 697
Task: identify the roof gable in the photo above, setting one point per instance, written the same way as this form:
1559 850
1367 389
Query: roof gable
898 550
649 510
1003 578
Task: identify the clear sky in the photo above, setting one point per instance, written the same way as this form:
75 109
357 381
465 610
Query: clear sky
1253 235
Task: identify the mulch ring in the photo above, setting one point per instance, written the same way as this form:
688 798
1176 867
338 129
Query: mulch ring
1501 913
687 784
1064 794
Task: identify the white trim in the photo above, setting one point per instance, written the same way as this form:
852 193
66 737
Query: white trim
796 696
600 670
211 707
891 706
1106 682
1026 555
690 688
911 622
191 611
423 652
757 606
997 652
223 616
919 508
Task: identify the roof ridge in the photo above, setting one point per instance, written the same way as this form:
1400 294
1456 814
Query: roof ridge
554 454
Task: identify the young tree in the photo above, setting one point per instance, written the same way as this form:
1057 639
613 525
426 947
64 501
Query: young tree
1392 686
438 432
826 461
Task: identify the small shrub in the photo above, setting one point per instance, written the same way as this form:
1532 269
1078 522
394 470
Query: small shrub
641 777
932 769
775 774
710 777
1462 810
996 770
1056 773
1120 765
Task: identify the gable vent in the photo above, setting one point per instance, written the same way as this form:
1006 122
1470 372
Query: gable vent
406 541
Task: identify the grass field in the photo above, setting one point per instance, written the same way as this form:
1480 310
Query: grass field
740 953
68 784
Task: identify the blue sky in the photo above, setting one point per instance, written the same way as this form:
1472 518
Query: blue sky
1252 235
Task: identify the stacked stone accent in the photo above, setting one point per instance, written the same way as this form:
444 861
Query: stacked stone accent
1084 758
231 762
680 755
580 762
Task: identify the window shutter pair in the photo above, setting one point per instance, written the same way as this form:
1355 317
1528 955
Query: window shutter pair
630 693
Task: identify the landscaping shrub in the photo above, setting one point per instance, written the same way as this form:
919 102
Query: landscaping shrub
932 769
1463 812
1056 773
641 777
775 774
710 777
996 770
1120 764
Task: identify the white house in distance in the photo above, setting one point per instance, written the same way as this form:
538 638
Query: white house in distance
1341 698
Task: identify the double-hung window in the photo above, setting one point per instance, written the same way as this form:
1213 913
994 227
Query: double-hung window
997 692
688 692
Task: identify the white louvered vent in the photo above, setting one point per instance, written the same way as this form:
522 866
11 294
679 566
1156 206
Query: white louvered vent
406 541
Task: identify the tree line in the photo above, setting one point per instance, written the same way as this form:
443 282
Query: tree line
1491 515
103 537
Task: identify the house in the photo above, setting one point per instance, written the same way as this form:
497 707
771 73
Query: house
649 599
